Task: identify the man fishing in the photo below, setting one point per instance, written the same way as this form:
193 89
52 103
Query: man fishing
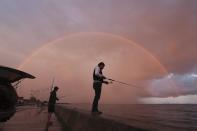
98 78
51 105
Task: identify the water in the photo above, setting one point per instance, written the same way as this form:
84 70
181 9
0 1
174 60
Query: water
164 117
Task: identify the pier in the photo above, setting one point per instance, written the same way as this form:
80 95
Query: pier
32 118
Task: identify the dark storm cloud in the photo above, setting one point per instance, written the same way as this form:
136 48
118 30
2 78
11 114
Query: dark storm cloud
174 85
166 28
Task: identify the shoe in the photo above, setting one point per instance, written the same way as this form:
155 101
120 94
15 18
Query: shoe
50 123
96 112
100 112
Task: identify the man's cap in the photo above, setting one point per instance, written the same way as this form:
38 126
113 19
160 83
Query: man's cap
101 63
56 88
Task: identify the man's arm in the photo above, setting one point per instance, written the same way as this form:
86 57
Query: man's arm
57 99
106 82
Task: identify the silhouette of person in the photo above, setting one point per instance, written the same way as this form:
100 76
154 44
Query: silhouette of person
51 104
98 78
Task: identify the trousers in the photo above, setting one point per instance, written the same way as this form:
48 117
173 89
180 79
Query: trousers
97 88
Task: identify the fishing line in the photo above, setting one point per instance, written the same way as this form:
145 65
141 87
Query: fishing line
120 82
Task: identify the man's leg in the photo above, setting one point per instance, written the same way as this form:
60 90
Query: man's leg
49 116
48 121
97 89
51 110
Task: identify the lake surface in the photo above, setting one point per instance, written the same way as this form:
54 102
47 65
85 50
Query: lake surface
164 117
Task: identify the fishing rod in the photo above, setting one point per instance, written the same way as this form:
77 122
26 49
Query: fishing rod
52 84
131 85
62 97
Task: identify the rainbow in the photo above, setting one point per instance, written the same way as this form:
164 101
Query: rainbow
164 70
95 33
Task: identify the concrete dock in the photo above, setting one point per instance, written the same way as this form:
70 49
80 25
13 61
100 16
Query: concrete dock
78 120
30 119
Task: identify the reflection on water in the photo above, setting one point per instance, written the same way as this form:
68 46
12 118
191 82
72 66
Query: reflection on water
160 117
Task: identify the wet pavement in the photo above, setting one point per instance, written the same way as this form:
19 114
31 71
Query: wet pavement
30 119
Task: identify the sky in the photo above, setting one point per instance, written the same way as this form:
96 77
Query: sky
67 38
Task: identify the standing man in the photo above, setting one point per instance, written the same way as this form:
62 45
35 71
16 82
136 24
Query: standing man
98 78
51 105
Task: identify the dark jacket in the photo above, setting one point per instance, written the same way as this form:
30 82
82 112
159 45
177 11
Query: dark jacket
53 98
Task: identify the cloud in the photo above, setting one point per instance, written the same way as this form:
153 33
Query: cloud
183 85
188 99
166 28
